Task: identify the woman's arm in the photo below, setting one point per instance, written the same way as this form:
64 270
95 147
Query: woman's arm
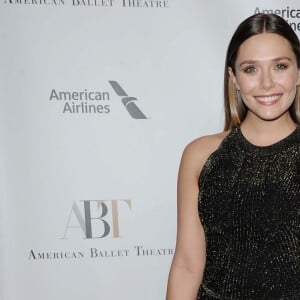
189 259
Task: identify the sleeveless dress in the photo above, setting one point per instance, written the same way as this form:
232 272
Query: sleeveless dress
249 206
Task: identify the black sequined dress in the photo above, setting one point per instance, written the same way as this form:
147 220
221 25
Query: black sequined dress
249 205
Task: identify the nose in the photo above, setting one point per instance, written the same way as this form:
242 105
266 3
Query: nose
266 80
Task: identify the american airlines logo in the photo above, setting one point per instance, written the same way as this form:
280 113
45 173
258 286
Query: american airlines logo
128 102
89 102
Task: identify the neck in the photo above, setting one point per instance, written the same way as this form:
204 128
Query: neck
263 133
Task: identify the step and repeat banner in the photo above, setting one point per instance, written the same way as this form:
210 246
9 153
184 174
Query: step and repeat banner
98 100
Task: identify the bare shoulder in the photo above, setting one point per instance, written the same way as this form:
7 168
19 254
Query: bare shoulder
206 144
197 152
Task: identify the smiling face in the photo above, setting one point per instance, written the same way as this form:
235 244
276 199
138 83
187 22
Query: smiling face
266 74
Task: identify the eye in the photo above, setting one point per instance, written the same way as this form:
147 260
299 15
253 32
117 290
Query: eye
250 69
280 66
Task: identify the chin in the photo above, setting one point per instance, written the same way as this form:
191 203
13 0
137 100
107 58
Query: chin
272 117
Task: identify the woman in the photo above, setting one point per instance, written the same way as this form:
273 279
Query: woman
239 190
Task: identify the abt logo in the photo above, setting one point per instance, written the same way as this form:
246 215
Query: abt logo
97 218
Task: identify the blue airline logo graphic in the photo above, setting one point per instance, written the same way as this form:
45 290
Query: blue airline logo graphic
128 102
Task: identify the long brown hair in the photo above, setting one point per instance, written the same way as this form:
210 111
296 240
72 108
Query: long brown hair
235 110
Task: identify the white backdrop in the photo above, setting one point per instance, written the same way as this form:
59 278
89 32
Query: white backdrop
88 168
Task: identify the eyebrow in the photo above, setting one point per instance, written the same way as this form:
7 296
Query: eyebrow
274 60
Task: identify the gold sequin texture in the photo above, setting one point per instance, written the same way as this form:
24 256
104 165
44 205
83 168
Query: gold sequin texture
249 205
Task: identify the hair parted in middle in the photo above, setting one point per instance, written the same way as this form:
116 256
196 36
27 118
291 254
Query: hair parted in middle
235 110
